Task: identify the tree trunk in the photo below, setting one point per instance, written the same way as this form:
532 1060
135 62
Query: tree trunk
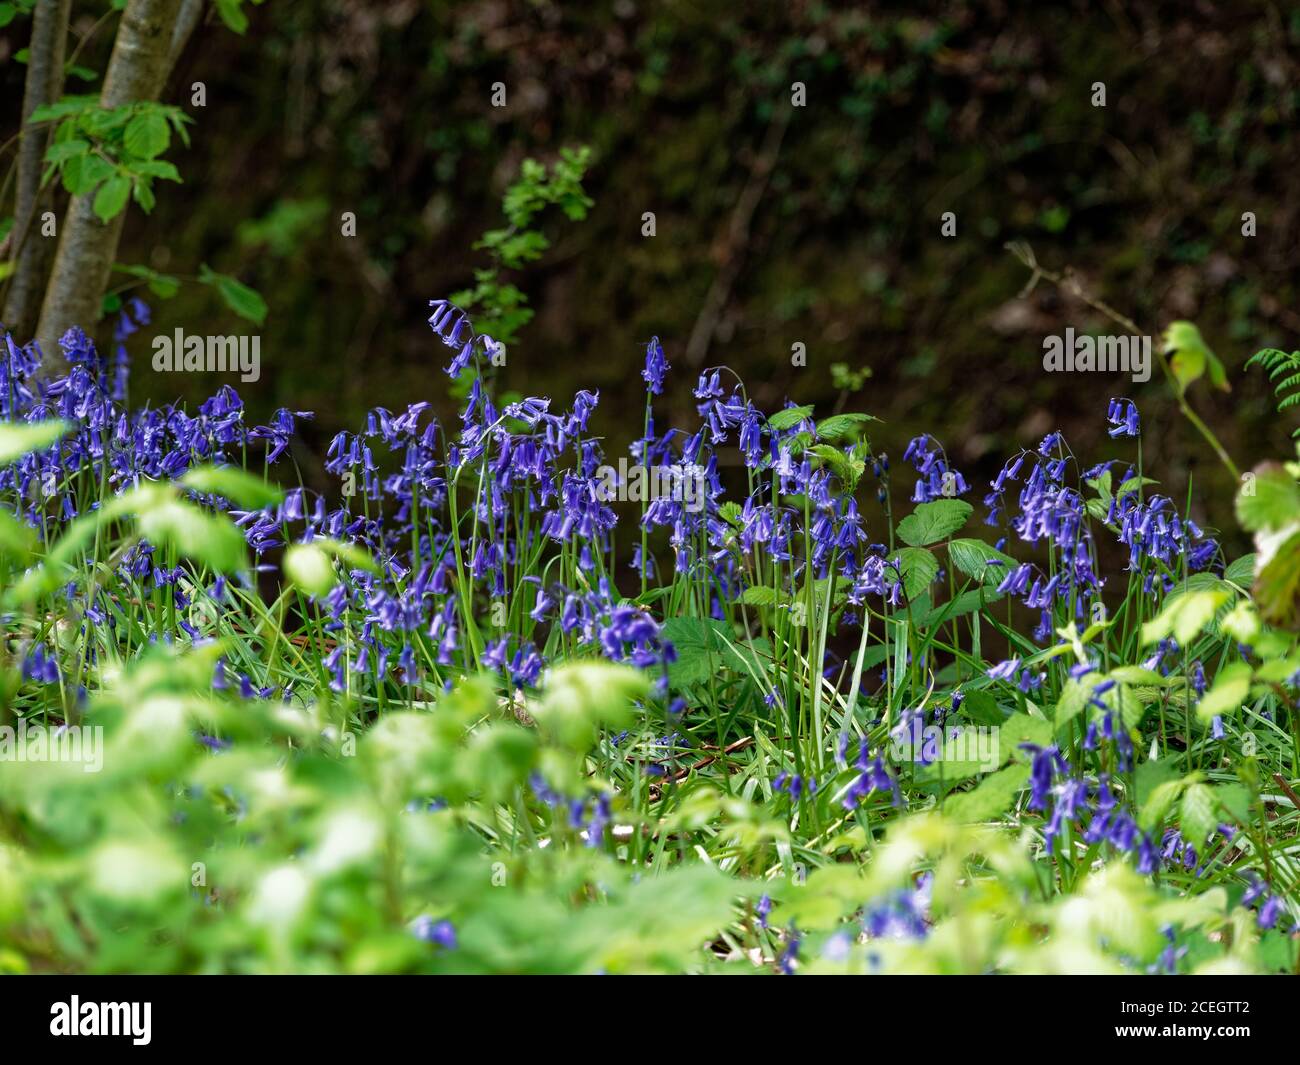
87 246
32 250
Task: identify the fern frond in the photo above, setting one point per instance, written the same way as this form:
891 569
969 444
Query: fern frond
1284 371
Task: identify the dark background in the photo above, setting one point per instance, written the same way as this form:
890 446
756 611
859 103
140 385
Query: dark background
983 109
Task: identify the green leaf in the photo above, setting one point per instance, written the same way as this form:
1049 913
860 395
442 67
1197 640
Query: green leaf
111 198
1150 775
1190 357
582 697
1230 689
977 559
1237 800
1184 616
966 603
65 150
310 568
20 438
995 795
703 648
213 540
351 555
1199 814
1242 571
147 135
1075 694
935 521
840 425
82 173
980 706
1022 728
17 539
788 418
1277 587
234 484
1268 499
846 467
759 596
918 567
232 14
1159 803
241 299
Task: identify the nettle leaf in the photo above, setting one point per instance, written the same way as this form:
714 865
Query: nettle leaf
111 198
841 425
931 522
976 559
20 438
918 568
789 418
235 484
147 135
1190 357
759 596
704 647
1268 499
981 707
1242 571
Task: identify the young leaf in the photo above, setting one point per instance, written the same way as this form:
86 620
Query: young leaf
235 484
147 135
111 198
17 439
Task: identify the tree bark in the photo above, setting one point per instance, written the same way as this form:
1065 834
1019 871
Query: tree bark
137 71
32 251
191 12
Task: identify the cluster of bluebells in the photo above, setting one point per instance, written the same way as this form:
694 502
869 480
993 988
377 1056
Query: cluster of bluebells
588 815
1087 805
869 774
1270 908
935 478
1049 510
